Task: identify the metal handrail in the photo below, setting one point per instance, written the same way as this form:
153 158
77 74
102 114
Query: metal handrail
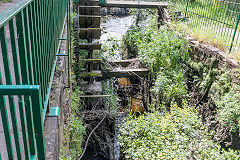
12 11
33 115
34 28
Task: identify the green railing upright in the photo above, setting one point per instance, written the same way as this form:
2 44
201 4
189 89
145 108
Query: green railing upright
32 132
216 18
29 42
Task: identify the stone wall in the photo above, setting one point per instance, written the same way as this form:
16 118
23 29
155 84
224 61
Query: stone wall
204 53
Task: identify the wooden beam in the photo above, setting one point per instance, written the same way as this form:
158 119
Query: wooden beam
135 4
89 2
122 63
89 21
94 96
85 33
93 46
89 10
91 60
94 88
126 73
94 73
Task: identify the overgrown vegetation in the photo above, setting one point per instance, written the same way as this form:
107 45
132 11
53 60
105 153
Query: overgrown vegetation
163 52
217 86
111 103
4 1
215 94
74 130
174 130
77 133
74 133
111 49
175 135
212 22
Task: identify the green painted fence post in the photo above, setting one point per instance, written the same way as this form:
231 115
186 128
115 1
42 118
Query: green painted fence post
8 77
186 10
235 31
5 123
38 123
102 2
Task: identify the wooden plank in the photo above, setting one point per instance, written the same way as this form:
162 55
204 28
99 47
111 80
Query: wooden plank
123 63
89 2
94 73
93 46
94 88
94 96
92 60
126 73
85 33
135 4
89 21
89 10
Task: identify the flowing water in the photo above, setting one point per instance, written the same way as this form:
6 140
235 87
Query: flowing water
114 28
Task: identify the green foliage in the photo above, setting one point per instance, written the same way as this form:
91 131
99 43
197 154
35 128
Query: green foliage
221 86
4 1
222 90
77 132
176 135
111 103
229 108
73 138
131 40
111 48
76 105
163 52
78 66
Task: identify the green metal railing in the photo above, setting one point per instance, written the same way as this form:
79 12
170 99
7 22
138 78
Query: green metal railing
33 135
220 18
30 39
217 18
102 2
